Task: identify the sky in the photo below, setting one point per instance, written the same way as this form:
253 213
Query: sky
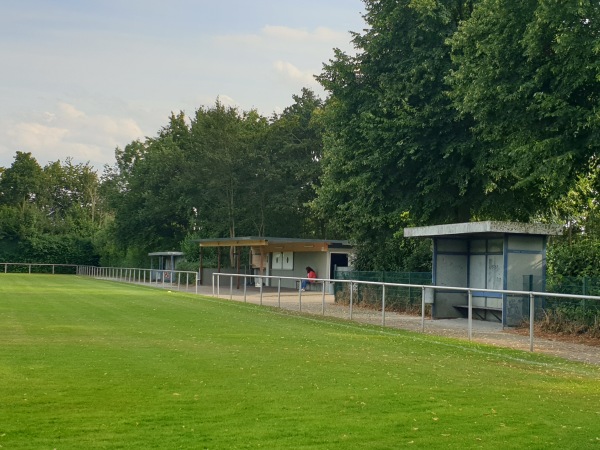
79 78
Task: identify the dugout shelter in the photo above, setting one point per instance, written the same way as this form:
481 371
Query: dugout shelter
274 256
486 255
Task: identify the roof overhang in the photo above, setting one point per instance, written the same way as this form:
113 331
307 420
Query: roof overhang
165 254
483 229
270 244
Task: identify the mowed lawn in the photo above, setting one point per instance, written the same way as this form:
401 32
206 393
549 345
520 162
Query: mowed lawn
96 364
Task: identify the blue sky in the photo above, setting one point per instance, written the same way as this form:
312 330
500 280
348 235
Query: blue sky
81 77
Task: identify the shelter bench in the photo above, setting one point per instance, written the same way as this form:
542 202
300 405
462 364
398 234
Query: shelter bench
298 282
480 311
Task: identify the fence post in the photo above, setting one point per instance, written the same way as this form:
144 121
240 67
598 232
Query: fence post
323 300
585 291
383 306
531 319
351 297
422 309
470 314
279 293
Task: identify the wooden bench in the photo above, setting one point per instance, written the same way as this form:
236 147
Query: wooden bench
480 311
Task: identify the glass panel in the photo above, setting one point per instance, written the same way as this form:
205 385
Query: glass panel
478 246
496 245
477 271
495 272
452 245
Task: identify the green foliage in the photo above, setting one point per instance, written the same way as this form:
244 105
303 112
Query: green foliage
394 143
575 258
21 183
527 74
49 249
572 319
219 173
49 215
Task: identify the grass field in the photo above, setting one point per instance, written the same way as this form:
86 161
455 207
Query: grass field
93 364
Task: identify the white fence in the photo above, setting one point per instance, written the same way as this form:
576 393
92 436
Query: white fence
188 281
37 268
427 295
162 278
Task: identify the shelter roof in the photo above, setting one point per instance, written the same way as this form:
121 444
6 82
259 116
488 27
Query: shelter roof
276 244
165 254
483 229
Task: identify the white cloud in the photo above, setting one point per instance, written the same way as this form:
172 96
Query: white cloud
35 136
68 131
288 71
320 34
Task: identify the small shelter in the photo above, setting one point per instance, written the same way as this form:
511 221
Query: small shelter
161 262
487 255
273 256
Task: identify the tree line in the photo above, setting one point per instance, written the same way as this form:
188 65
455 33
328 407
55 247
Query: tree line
449 111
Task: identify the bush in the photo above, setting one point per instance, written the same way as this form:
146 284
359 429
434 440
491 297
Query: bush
573 319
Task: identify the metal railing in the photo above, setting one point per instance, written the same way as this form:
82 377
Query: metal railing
36 267
427 291
175 278
157 277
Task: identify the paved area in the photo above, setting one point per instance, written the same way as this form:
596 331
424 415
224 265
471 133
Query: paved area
323 304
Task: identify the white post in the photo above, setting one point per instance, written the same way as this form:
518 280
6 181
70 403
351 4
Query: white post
351 298
383 306
422 309
323 300
531 319
279 293
470 314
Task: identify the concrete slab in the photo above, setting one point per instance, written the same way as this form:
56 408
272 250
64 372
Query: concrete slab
488 228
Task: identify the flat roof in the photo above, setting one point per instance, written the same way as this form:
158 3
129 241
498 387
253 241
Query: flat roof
165 254
483 229
276 244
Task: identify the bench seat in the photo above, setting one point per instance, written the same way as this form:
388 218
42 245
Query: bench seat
480 311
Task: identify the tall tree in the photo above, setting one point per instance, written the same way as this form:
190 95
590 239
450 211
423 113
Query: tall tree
291 167
527 72
394 142
21 182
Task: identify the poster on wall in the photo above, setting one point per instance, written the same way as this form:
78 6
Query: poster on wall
277 260
287 260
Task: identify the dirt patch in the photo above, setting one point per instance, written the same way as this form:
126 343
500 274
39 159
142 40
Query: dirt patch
559 337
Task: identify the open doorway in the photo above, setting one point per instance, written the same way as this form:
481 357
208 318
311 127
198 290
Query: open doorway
337 260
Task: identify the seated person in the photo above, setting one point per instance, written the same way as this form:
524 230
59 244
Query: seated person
311 274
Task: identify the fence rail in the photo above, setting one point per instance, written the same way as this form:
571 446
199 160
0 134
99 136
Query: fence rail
159 277
38 268
427 293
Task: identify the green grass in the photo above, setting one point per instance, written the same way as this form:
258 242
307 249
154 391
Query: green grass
92 364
